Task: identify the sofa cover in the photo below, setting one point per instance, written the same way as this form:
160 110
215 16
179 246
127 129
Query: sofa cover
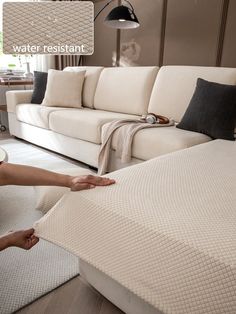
115 93
85 124
125 90
151 143
90 83
34 114
175 85
166 230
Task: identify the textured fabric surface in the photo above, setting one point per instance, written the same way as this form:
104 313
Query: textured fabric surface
40 84
47 196
126 132
175 85
125 90
151 143
27 275
212 110
166 230
91 78
85 124
35 114
48 24
64 89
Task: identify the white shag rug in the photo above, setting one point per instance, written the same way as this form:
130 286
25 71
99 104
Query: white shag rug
28 275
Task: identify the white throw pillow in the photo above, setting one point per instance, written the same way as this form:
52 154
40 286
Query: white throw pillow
64 89
48 196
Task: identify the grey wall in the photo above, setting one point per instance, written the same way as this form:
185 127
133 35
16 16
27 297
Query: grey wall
105 38
191 32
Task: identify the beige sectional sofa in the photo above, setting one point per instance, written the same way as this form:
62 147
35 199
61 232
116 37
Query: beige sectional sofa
115 93
77 132
189 248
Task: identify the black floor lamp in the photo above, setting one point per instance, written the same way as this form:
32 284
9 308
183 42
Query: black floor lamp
121 17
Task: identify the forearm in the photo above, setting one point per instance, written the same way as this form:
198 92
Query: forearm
11 174
4 242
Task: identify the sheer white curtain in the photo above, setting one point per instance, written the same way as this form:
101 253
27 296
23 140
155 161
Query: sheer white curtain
44 62
62 61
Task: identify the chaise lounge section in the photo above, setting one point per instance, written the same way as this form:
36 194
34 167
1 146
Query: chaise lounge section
161 240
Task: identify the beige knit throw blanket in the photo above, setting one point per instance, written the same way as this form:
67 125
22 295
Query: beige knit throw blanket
126 132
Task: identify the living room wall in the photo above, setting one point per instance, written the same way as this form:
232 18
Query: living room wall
190 32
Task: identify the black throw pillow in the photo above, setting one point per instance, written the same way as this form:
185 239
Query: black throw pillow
40 83
211 111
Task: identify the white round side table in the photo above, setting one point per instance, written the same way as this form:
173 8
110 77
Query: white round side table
3 155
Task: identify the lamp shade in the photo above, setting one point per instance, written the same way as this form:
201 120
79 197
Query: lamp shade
122 17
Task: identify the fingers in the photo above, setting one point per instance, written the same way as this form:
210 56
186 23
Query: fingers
28 232
24 239
30 242
88 182
104 181
82 186
86 186
34 240
30 238
95 180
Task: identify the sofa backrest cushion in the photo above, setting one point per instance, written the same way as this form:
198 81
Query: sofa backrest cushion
175 85
125 90
92 75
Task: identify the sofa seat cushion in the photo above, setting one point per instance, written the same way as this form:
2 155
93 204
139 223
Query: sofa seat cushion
85 124
150 143
35 114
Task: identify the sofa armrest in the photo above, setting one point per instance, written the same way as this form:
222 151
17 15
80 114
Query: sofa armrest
15 97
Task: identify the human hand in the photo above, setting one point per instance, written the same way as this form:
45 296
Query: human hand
24 239
86 182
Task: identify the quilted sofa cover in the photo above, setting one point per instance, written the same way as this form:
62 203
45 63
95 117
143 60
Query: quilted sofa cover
165 230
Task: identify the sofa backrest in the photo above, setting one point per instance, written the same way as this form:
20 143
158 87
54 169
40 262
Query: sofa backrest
90 83
125 90
175 85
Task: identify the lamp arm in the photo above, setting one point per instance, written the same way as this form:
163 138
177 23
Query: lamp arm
102 9
130 5
108 5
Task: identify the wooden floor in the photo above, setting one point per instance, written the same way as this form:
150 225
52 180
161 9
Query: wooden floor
74 297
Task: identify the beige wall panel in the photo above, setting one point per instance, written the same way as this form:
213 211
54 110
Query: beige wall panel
192 32
104 38
229 48
141 46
